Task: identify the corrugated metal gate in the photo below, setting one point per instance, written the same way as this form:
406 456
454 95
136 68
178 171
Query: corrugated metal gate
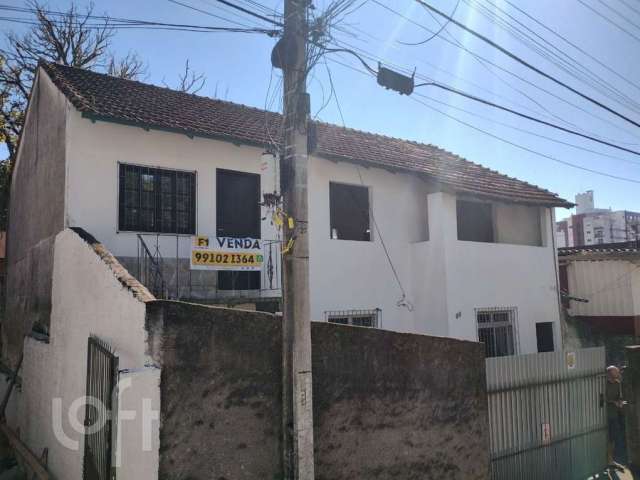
547 416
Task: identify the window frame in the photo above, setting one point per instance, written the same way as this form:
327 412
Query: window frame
369 211
194 187
494 324
350 315
492 208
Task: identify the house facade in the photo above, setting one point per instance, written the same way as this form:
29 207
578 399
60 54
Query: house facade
403 236
601 286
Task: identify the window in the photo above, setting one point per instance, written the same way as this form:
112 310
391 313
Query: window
349 212
475 221
496 329
238 215
358 318
544 336
156 200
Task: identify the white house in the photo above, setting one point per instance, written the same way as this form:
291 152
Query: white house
470 251
403 236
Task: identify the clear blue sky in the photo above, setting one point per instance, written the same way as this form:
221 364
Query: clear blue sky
238 68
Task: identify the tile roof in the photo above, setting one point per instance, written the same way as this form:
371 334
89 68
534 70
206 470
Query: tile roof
602 249
109 98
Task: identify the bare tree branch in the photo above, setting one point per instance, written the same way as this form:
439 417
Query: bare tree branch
131 66
190 81
71 39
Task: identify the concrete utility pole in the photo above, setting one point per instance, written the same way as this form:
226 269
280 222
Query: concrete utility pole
297 387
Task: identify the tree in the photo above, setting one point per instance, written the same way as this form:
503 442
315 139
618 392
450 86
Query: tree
189 81
74 38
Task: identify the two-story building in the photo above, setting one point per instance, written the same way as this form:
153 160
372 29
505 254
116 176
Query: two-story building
403 236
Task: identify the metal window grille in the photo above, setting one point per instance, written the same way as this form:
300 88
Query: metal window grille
102 377
156 200
497 330
358 318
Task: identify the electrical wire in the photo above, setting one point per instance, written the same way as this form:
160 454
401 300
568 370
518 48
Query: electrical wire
528 117
440 30
550 52
408 72
608 20
507 71
250 12
531 67
513 144
475 85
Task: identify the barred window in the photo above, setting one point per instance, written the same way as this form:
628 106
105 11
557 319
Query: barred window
156 200
358 318
497 330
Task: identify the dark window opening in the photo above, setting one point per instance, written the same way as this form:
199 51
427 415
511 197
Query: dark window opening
156 200
496 329
349 212
238 215
544 335
475 221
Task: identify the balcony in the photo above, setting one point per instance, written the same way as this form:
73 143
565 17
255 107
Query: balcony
162 264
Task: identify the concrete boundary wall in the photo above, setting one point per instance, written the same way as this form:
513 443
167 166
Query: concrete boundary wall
386 405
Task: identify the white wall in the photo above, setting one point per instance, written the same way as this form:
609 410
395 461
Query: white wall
611 286
354 274
94 150
87 299
488 275
441 276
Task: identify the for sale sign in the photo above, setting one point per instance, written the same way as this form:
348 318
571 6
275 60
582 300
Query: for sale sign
226 253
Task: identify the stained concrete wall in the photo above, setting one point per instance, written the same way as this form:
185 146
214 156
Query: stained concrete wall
36 214
220 391
386 405
401 406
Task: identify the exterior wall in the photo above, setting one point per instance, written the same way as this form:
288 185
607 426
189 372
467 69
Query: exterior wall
221 390
356 275
487 275
36 214
344 275
390 405
87 298
386 405
94 150
518 224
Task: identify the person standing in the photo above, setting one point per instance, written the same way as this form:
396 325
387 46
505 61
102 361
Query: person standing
616 451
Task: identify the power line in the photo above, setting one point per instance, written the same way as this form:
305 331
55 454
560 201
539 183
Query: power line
608 20
252 13
480 87
509 142
199 10
409 72
572 44
507 71
552 53
527 132
523 62
435 34
524 115
122 23
148 26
